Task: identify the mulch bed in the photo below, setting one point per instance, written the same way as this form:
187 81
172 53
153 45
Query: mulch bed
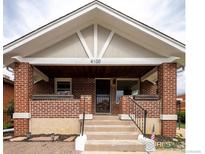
8 134
61 137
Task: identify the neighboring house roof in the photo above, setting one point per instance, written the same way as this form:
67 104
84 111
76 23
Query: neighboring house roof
95 13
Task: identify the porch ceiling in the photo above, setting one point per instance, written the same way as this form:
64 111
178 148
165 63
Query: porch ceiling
95 71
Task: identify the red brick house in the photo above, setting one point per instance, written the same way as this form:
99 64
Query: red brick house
98 55
182 99
8 95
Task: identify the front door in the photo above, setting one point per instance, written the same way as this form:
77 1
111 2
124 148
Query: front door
102 96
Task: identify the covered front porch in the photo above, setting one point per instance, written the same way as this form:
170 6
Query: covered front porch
105 84
58 95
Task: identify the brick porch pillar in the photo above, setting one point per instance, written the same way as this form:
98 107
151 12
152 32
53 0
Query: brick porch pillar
23 83
88 104
167 92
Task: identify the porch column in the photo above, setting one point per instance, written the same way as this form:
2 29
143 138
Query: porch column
23 84
167 92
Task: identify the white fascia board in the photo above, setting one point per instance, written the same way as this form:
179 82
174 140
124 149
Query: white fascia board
90 61
21 115
142 27
84 10
168 117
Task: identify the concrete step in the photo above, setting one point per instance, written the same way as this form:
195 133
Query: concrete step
112 135
105 117
104 128
107 122
114 145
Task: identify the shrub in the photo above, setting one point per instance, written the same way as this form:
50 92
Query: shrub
7 125
10 108
182 116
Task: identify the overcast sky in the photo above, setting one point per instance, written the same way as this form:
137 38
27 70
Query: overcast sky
23 16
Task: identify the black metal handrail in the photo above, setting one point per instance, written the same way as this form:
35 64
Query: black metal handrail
82 124
138 115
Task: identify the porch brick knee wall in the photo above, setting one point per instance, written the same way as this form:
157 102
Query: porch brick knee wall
22 92
152 107
64 108
148 88
88 104
167 93
124 105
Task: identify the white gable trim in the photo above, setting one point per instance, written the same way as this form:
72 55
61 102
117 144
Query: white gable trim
102 52
41 74
95 40
103 61
142 27
84 44
152 72
83 10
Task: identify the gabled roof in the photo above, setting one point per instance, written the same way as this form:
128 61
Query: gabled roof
100 13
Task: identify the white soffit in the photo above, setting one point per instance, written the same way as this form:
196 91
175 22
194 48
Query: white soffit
94 12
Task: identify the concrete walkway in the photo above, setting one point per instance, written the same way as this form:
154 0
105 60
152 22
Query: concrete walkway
62 148
156 152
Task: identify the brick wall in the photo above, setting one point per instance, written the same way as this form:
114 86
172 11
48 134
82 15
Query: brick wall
64 108
148 88
152 107
55 108
124 105
167 93
83 86
88 104
22 93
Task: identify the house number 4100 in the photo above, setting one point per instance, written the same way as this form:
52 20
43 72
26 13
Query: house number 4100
95 61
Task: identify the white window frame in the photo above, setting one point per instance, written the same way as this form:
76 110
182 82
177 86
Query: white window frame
62 79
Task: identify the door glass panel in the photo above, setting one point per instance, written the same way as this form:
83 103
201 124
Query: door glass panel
103 96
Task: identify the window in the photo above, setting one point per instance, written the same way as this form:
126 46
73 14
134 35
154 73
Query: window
126 87
63 86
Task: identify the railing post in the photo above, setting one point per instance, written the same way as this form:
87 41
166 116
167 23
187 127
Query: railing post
83 116
145 118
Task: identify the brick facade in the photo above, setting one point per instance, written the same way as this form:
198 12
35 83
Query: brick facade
83 86
61 108
124 105
148 88
86 86
69 108
152 107
88 104
22 93
167 93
